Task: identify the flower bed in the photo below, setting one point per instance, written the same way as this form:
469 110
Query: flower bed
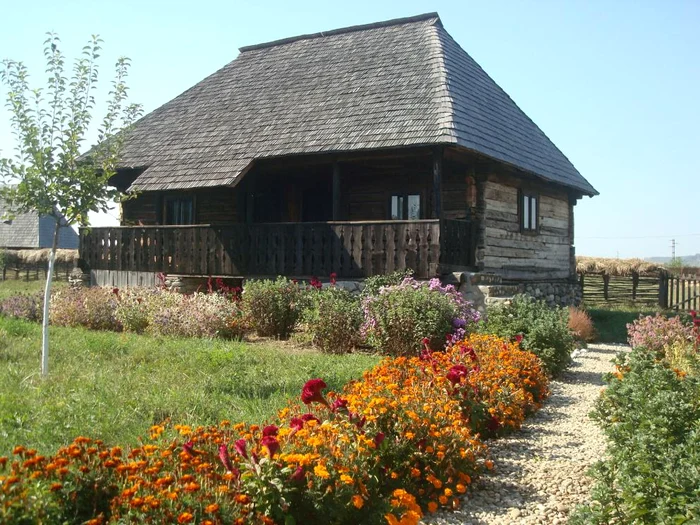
405 439
650 413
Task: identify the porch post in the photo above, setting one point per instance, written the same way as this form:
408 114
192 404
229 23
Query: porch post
336 191
437 183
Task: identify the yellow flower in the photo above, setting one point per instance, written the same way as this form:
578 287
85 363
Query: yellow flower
346 479
321 472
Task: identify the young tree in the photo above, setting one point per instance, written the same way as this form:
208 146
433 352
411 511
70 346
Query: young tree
48 175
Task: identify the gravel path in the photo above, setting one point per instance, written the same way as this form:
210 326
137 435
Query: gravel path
539 476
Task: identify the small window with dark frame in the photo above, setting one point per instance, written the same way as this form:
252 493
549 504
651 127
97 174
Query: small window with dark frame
528 212
405 207
179 210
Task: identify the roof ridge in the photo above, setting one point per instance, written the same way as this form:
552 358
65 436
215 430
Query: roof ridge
342 30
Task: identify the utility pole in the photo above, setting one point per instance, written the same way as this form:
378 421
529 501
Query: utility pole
673 249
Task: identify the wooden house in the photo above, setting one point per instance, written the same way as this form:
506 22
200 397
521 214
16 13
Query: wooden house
355 151
30 231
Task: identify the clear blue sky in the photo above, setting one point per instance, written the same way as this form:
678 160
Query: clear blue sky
615 84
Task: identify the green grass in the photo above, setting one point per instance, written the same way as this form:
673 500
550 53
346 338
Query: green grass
14 287
115 386
611 322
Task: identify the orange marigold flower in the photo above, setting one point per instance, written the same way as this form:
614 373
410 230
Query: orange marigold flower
56 486
357 501
442 500
192 487
321 472
185 517
461 488
211 509
432 506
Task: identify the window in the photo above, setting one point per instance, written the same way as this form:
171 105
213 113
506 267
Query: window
528 212
405 207
179 210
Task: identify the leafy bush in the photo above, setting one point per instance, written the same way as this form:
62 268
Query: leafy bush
27 307
373 284
658 332
195 315
93 308
581 325
401 319
388 447
651 417
544 330
273 308
334 320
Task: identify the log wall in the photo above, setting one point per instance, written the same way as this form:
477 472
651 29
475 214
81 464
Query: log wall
516 255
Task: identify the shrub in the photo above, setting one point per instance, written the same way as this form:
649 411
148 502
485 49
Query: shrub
400 317
93 308
373 284
392 444
334 320
196 315
273 308
651 417
658 332
581 325
27 307
544 330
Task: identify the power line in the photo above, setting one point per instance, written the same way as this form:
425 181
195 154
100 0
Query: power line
644 236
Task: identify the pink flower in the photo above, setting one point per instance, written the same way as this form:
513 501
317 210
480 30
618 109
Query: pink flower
270 430
339 405
297 475
225 458
312 392
240 446
456 373
519 338
271 444
189 447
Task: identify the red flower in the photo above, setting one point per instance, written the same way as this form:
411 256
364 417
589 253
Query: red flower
339 405
115 291
378 439
456 373
519 338
493 424
355 418
240 446
271 444
270 430
312 392
309 417
334 277
296 423
297 475
189 447
225 458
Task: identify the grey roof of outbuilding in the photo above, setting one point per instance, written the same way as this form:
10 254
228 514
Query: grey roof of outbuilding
29 231
392 84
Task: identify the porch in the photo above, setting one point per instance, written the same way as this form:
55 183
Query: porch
350 249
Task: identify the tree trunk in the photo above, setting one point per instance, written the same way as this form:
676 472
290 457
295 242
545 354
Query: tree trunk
47 300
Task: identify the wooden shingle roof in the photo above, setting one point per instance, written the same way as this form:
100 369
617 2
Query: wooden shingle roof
399 83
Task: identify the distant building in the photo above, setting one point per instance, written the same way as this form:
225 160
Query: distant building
30 231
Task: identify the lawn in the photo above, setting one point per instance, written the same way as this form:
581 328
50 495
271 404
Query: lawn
114 386
13 287
611 323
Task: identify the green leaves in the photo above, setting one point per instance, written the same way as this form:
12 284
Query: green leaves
47 173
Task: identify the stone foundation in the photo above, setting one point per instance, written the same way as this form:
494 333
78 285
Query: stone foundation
560 293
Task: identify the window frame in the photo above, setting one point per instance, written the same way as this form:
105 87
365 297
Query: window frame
533 196
170 198
404 212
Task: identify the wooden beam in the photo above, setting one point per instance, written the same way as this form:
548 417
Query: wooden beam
336 191
437 183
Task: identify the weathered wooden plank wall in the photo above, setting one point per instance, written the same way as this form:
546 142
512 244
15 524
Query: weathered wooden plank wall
518 255
349 249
